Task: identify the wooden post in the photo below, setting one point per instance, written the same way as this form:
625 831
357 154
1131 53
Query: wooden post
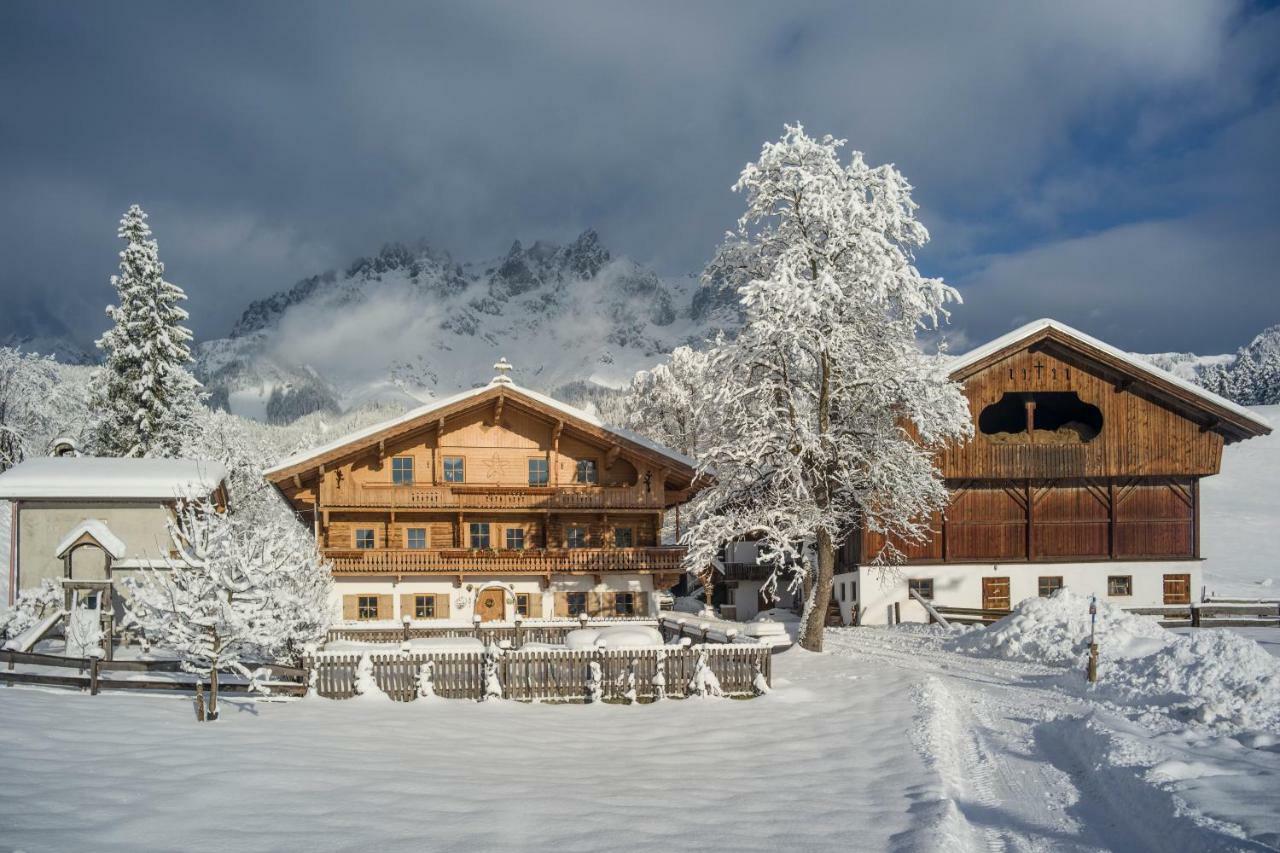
93 677
1031 520
1195 516
213 694
1195 614
1093 663
199 701
1111 517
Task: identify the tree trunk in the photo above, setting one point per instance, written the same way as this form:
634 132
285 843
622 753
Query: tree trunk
816 619
213 693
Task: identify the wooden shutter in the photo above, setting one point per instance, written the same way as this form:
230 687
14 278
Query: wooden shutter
442 605
562 604
641 600
350 607
406 605
386 607
535 605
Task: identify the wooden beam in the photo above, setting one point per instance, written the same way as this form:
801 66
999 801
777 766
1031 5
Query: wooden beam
497 409
612 456
297 481
1124 384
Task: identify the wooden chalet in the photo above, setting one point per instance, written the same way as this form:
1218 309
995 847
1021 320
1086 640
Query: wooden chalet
491 503
1084 471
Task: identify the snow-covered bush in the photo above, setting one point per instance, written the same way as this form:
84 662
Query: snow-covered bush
492 684
828 413
595 683
32 606
366 684
426 680
704 681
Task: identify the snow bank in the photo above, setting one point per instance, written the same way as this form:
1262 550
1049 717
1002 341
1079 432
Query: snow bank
1216 677
616 637
451 644
1055 630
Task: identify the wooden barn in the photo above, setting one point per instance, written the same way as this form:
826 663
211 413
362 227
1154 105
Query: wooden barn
495 503
1084 472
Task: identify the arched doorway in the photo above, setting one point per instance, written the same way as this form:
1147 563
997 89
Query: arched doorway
491 604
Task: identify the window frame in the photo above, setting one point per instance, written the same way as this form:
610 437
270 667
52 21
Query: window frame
517 533
631 537
580 467
630 609
523 609
398 466
474 531
454 469
419 600
356 538
1041 585
1128 586
569 599
408 538
912 582
569 536
366 607
545 474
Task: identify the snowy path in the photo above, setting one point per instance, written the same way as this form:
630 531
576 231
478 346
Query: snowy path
1027 765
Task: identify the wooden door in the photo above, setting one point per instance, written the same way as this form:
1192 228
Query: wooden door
995 593
1177 589
491 604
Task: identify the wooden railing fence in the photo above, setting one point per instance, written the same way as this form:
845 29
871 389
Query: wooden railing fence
94 674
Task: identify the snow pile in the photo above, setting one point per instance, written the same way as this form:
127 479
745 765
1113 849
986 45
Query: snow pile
1216 677
1055 630
615 637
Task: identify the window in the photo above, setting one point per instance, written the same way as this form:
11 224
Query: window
576 537
922 587
480 534
402 470
364 538
1120 585
453 469
622 537
1057 417
515 538
424 607
577 602
624 603
538 475
416 538
367 607
1049 585
522 604
585 471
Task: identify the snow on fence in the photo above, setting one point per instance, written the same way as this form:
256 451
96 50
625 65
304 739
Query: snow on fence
551 631
96 674
551 674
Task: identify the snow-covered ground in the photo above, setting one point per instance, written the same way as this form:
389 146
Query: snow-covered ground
1240 517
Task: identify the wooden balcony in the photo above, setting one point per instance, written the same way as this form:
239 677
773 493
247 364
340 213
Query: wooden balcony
458 561
501 498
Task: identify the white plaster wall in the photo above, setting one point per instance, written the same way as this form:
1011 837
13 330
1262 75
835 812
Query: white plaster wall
960 585
43 524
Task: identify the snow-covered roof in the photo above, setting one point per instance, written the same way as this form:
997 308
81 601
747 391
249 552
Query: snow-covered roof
508 386
100 533
104 478
1138 365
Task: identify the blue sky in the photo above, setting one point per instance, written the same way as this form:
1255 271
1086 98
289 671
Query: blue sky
1109 164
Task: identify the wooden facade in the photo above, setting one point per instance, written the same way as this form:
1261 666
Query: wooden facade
1079 454
499 482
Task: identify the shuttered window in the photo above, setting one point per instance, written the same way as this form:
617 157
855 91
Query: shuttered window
367 607
577 602
424 607
522 604
624 604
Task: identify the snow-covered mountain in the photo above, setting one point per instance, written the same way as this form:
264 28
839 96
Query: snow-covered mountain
413 323
1250 376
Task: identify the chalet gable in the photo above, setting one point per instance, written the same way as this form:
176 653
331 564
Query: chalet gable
1124 371
496 403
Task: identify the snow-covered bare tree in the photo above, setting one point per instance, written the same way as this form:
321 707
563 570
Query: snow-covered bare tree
828 413
240 592
40 400
146 397
666 403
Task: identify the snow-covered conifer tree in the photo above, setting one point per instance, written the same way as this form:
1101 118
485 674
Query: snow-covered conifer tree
828 413
239 592
145 398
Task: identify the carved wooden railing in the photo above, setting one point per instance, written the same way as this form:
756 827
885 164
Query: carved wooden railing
502 561
460 496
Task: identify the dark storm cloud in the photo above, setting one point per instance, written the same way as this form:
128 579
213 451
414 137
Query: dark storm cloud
1085 148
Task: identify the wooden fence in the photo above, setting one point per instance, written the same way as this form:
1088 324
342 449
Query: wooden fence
517 634
94 675
548 674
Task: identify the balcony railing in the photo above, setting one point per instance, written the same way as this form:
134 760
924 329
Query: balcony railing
501 561
459 496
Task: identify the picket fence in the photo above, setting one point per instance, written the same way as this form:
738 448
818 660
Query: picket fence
555 675
528 631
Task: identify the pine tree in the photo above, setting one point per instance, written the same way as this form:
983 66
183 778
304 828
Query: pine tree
146 398
827 412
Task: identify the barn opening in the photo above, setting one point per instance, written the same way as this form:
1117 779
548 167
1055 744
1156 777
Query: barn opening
1051 417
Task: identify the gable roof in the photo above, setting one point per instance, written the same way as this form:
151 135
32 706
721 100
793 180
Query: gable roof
458 403
96 530
111 478
1234 421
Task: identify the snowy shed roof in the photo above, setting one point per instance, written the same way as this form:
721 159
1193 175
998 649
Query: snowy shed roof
96 530
1250 423
501 384
111 479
